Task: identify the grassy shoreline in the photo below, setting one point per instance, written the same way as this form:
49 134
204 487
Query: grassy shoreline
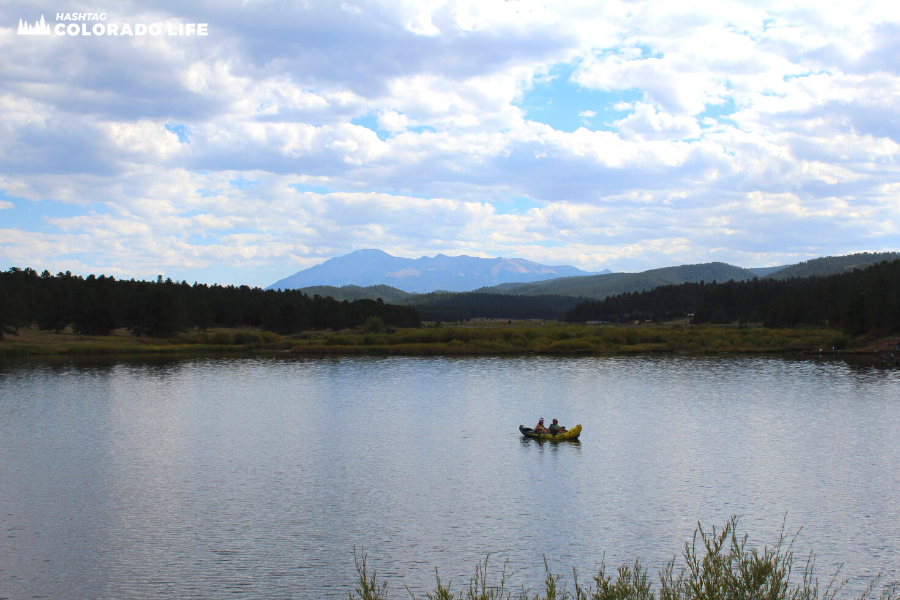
481 338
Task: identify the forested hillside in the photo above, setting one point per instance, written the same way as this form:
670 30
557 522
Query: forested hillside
832 265
97 305
766 271
594 286
858 298
601 286
857 301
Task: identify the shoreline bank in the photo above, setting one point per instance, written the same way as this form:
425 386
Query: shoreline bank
485 339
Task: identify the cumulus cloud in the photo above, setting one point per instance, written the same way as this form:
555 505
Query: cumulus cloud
296 132
646 123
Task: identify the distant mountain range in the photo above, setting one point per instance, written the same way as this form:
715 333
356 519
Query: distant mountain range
553 296
600 286
421 275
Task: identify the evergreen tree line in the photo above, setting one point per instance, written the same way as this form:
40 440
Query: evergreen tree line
452 314
161 308
663 303
858 301
449 306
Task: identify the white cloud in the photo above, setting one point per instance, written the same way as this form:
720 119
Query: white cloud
761 132
393 121
645 124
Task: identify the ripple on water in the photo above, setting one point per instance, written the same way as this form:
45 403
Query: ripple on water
256 477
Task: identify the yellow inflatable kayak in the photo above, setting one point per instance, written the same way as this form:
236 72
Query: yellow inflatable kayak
571 434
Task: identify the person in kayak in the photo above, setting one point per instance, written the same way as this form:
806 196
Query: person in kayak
539 428
556 428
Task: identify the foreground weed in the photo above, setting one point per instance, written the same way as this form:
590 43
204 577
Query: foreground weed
367 587
631 584
552 589
479 588
715 565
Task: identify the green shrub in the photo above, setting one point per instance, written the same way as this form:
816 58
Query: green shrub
222 338
247 337
270 337
570 345
374 324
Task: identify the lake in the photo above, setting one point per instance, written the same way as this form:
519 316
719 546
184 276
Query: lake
255 477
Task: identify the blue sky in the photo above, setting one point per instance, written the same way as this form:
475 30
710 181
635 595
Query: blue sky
622 135
563 104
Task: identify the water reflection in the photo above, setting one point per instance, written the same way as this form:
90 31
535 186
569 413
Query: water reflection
525 441
256 477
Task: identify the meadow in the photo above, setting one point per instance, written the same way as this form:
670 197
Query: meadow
485 337
557 338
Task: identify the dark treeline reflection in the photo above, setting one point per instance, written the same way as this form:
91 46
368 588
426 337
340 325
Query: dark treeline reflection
97 305
857 301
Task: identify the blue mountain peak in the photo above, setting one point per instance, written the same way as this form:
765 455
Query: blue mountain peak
425 274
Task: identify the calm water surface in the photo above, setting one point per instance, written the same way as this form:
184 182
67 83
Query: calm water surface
256 477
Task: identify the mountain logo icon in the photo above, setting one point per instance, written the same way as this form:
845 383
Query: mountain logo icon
39 28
